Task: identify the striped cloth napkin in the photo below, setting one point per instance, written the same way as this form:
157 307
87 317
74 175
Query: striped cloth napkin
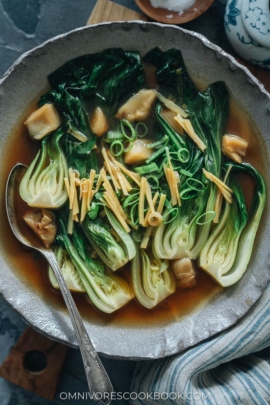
230 368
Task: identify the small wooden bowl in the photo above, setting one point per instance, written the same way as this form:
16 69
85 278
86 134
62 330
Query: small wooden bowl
172 17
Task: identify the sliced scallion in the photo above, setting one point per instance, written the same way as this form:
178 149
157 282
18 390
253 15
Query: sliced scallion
141 129
155 155
183 155
197 184
127 130
171 214
188 194
211 215
185 173
153 181
117 148
128 145
134 214
163 141
130 200
113 136
152 167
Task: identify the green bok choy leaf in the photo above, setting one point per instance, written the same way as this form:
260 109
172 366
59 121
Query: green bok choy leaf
208 113
107 291
185 236
114 253
109 76
226 254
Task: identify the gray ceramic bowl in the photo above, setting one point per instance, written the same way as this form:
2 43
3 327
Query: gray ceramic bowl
22 85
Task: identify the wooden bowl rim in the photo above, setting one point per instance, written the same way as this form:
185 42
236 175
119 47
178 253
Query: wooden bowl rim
161 14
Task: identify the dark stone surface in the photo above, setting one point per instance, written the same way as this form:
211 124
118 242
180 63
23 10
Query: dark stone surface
25 16
72 379
25 24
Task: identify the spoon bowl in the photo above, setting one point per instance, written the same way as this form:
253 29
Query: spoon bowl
172 17
97 378
19 228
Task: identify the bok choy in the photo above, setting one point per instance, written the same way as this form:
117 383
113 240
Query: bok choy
43 183
114 253
68 271
186 234
107 291
227 252
152 278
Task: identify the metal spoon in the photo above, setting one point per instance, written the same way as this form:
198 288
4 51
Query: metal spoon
98 381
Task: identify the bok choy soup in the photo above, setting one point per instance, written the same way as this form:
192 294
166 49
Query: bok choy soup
135 186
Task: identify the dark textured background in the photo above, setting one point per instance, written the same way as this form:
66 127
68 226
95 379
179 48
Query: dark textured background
25 24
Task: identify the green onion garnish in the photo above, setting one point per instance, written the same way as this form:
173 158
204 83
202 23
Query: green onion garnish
141 130
188 194
171 214
210 214
183 155
152 167
185 173
157 144
113 136
117 148
128 145
196 182
153 181
155 155
130 200
127 130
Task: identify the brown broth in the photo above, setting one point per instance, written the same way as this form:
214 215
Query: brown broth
33 270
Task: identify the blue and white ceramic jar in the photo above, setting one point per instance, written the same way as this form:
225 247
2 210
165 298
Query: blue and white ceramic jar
247 25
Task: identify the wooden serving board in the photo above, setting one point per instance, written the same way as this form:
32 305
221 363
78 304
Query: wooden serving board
106 11
35 363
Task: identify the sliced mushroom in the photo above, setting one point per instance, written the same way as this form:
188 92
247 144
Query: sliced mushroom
42 222
184 272
138 153
98 122
43 121
138 107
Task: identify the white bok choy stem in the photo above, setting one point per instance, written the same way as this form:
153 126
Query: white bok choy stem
152 281
68 270
226 254
107 291
43 183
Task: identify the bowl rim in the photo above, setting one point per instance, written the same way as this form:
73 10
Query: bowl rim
201 37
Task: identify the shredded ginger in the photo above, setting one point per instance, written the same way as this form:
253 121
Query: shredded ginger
173 5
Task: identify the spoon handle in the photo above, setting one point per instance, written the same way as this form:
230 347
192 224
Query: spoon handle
98 381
